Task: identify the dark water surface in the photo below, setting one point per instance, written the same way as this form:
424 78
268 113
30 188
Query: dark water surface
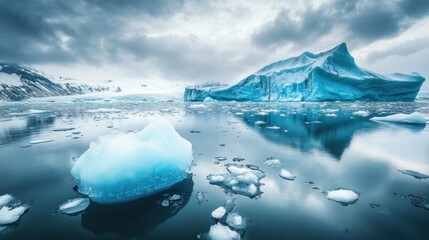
326 145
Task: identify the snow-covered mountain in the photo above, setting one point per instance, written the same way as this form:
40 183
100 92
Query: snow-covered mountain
327 76
18 83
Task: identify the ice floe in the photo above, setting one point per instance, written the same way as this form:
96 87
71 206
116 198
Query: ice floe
74 206
286 174
120 167
343 196
41 141
9 215
219 213
413 118
239 179
414 174
221 232
5 199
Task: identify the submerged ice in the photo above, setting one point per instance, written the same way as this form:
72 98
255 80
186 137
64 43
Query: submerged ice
120 167
74 206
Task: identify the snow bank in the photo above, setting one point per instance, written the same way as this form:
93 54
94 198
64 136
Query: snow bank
413 118
121 167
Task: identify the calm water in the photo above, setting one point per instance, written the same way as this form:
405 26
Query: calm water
325 145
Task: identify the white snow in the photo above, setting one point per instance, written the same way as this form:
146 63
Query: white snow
10 79
10 215
286 174
221 232
219 213
119 167
5 199
413 118
73 206
344 196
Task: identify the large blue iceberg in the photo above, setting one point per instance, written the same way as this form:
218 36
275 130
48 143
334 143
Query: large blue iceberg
120 167
327 76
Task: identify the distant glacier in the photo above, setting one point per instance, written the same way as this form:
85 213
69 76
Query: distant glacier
327 76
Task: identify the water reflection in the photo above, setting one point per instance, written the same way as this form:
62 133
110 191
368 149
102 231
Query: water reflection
309 131
135 219
18 129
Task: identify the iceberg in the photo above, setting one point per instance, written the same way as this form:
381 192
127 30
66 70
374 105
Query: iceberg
413 118
327 76
74 206
121 167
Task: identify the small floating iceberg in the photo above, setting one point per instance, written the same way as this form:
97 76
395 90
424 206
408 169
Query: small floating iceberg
235 221
74 206
219 213
9 215
5 199
239 179
413 118
221 232
121 167
286 174
343 196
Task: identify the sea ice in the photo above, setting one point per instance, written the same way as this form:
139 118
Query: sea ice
361 113
285 174
413 118
5 199
239 179
120 167
414 174
104 110
219 213
73 206
40 141
235 221
343 196
272 162
63 129
10 215
201 197
221 232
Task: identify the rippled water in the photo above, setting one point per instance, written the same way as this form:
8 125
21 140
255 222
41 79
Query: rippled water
325 145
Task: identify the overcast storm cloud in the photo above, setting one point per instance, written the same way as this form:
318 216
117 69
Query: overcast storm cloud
203 41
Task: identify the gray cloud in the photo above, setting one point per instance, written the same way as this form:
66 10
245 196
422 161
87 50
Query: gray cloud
405 49
362 21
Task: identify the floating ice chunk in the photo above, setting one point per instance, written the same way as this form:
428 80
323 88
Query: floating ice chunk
197 106
104 110
343 196
361 113
120 167
165 203
73 206
259 122
221 232
235 221
5 199
10 215
414 174
201 197
63 129
273 127
272 162
40 141
263 113
413 118
285 174
418 201
175 197
30 112
239 179
239 113
219 213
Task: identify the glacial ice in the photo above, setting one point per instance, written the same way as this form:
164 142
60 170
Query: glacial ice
239 179
73 206
286 174
9 215
413 118
343 196
219 213
120 167
235 221
5 199
327 76
221 232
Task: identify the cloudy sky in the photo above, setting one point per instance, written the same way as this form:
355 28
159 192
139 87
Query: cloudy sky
196 41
